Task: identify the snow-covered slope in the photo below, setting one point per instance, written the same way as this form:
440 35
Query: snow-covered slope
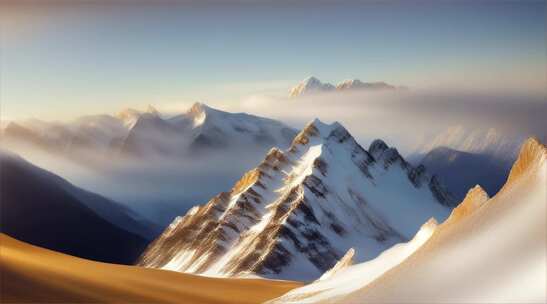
487 251
300 210
212 127
352 278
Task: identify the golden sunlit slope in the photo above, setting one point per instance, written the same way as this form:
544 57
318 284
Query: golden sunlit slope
37 275
492 252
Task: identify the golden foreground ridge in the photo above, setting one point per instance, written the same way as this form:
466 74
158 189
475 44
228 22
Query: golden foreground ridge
32 274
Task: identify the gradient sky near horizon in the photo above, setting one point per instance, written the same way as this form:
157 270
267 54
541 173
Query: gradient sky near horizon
62 60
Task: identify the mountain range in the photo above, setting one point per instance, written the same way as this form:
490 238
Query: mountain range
312 85
459 156
356 224
300 210
149 134
203 129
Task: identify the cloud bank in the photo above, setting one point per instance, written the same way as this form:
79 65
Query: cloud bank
407 118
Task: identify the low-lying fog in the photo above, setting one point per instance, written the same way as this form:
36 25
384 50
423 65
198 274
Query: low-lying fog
158 189
407 119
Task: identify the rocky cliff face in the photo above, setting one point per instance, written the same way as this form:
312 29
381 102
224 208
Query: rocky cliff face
300 210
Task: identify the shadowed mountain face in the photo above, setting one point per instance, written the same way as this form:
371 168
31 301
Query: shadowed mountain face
37 209
460 171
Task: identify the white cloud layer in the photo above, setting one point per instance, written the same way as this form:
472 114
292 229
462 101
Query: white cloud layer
406 118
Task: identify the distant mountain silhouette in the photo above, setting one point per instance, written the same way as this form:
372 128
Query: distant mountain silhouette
37 209
459 171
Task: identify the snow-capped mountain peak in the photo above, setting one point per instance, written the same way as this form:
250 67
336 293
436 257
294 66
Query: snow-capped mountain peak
204 128
299 211
310 85
197 108
129 117
198 113
337 283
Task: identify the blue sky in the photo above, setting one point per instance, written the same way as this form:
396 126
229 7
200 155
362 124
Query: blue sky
59 61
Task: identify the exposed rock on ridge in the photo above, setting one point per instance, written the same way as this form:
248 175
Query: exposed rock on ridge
297 213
